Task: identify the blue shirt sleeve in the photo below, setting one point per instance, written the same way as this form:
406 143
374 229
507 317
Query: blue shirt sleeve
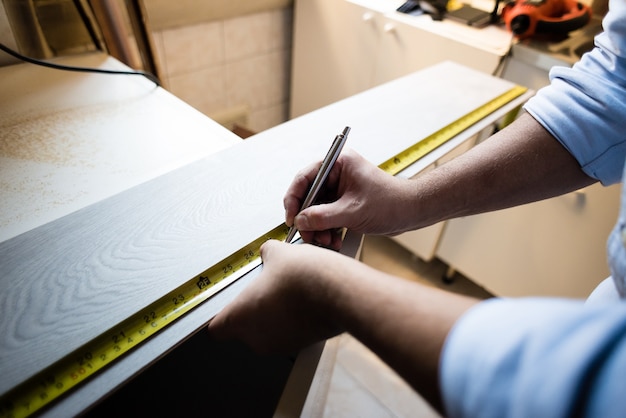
536 357
584 107
540 357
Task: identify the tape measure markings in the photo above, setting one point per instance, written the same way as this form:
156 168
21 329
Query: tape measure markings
404 159
58 379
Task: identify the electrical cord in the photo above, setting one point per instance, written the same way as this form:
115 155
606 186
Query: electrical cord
19 56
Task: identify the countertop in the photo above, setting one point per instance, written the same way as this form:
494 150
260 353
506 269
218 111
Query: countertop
82 137
114 193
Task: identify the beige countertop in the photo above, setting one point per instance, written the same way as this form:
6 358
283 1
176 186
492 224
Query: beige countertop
69 139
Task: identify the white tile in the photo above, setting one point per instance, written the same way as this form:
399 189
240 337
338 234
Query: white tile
256 34
267 117
247 36
195 47
281 28
205 89
244 61
259 81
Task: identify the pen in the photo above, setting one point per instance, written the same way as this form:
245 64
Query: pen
322 174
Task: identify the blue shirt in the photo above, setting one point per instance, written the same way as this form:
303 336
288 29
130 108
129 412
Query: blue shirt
546 357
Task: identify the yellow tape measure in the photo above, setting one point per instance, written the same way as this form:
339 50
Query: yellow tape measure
399 162
75 368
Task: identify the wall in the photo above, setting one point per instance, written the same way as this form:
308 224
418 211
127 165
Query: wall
230 60
164 14
229 66
6 37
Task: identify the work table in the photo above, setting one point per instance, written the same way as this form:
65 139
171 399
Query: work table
114 193
83 137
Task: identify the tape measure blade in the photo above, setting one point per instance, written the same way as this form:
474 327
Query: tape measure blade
409 156
74 369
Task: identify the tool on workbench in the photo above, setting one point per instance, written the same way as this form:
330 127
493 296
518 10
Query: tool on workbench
526 18
66 374
322 175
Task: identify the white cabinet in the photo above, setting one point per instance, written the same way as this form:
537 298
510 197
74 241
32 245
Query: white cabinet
553 247
343 47
333 45
409 43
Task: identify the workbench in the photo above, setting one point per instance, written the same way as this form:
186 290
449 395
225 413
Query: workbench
114 192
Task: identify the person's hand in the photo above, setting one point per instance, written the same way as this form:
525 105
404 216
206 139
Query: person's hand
283 309
357 195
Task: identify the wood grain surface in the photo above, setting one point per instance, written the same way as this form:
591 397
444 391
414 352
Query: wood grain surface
70 280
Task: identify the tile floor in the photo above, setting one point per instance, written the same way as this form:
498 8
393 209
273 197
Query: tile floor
361 384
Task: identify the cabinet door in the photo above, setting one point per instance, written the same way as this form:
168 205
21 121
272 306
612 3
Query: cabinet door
407 47
554 247
335 44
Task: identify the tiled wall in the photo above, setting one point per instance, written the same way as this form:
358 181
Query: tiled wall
242 62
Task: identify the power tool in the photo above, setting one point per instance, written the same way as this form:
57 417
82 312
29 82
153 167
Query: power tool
526 18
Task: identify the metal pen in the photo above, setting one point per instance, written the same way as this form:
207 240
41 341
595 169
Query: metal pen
322 175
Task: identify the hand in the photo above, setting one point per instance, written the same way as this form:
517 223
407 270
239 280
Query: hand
357 195
307 294
283 309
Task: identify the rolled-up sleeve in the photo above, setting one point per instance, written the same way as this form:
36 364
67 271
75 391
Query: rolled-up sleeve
584 107
536 357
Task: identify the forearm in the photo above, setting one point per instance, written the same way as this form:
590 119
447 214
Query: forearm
521 164
306 294
403 322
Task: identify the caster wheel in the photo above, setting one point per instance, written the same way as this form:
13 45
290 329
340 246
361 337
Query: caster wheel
448 276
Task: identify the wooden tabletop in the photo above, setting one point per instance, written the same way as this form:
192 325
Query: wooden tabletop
112 203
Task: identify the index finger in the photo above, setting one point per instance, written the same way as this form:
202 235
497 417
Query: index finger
297 191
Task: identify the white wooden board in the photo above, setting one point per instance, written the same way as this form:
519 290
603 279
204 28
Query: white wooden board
69 280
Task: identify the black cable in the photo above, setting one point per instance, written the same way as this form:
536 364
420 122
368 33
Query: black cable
19 56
